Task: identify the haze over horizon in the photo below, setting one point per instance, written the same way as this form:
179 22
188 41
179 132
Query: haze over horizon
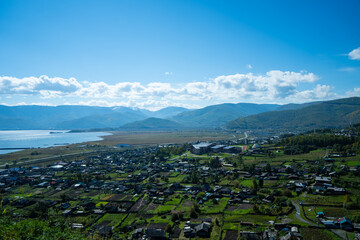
154 54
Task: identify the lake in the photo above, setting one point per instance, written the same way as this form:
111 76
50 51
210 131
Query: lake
44 138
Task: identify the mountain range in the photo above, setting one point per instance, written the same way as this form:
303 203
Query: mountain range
240 116
329 114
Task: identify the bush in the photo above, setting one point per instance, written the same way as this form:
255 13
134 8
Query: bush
350 205
287 193
174 217
193 213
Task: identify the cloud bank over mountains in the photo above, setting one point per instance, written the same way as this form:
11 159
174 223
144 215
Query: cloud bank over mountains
272 87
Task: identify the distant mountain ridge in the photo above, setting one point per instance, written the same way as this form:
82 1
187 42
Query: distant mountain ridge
329 114
219 115
90 117
74 116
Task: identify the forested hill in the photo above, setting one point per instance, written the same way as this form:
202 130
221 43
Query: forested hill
330 114
219 115
152 124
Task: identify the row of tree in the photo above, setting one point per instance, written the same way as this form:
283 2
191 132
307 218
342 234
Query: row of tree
308 142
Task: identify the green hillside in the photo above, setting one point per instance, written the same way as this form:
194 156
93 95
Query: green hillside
219 115
330 114
153 124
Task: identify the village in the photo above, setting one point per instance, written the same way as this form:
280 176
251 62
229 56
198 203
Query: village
247 189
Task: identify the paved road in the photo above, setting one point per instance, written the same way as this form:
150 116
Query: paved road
298 214
340 233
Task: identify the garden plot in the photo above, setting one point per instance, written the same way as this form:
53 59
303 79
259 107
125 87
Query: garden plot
239 209
139 205
117 197
111 219
158 225
231 235
150 208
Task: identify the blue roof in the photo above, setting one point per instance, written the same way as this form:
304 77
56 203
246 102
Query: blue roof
328 222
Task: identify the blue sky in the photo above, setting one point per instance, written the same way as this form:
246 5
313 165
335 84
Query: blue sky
153 54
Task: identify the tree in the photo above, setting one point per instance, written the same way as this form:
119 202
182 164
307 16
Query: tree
200 195
346 198
197 208
267 167
287 193
288 170
174 217
168 228
40 209
256 209
193 213
215 163
194 177
261 182
255 186
64 197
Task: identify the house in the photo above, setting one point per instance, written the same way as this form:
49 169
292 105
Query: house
320 214
99 211
64 206
137 233
269 199
231 149
341 223
225 190
203 229
189 232
67 212
89 205
104 230
291 236
201 148
250 235
217 148
335 191
323 179
270 234
200 230
318 186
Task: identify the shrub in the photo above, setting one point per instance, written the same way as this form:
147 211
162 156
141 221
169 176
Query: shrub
350 205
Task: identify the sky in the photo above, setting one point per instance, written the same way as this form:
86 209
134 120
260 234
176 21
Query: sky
160 53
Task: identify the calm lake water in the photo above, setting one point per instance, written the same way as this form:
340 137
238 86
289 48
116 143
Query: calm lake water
43 138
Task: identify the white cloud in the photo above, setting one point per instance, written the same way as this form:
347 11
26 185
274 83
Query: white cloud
29 103
249 66
33 85
355 54
168 73
353 93
272 87
320 92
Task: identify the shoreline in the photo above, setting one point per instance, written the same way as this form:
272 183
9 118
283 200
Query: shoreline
52 138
